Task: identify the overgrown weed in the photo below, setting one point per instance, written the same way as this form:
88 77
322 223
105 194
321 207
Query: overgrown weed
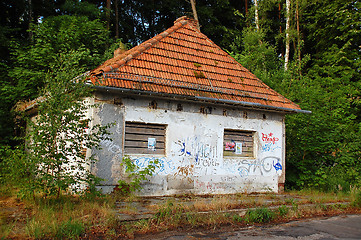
259 215
171 212
209 213
67 217
356 197
283 211
201 205
6 227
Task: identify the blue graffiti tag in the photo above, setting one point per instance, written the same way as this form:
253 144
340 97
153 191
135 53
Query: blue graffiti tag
277 166
183 150
196 157
166 165
243 172
269 147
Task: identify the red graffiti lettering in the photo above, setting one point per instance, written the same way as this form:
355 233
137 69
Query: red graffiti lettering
269 138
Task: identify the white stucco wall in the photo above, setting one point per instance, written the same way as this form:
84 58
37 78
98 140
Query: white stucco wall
193 160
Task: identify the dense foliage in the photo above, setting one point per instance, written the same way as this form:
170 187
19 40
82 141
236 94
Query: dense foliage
323 149
58 136
323 73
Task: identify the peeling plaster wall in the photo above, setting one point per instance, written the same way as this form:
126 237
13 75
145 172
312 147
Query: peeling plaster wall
110 154
193 160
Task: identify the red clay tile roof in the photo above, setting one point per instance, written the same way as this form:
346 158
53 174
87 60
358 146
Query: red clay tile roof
183 62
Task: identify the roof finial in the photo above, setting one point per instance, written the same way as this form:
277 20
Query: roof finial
122 49
191 21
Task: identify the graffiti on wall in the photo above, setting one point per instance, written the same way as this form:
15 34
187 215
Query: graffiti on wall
270 142
251 167
206 155
229 179
204 159
194 158
202 153
210 186
248 167
202 156
166 165
111 146
278 166
181 151
269 138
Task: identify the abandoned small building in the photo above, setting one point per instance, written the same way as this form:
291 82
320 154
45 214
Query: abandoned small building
214 127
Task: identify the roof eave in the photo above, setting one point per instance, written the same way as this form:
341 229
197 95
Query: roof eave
252 105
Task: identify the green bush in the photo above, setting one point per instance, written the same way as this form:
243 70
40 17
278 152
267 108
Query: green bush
259 215
62 130
16 171
283 210
136 175
92 193
173 213
357 198
165 211
237 218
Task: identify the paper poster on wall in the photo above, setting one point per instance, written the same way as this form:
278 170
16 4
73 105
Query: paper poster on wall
230 146
238 148
151 143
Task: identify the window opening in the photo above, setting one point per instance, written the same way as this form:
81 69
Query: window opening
238 143
144 138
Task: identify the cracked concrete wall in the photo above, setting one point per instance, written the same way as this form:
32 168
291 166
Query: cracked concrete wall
193 161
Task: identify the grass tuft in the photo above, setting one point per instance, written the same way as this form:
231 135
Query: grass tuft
356 196
259 215
283 211
70 230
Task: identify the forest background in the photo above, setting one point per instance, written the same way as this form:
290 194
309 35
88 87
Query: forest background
307 50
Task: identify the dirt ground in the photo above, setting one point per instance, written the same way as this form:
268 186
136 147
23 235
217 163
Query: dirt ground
16 213
13 212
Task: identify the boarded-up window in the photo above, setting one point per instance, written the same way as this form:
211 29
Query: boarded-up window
238 143
144 138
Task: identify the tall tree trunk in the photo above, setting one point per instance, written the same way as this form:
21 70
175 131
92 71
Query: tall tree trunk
193 3
116 19
298 33
280 22
287 54
246 6
279 16
256 18
108 13
30 20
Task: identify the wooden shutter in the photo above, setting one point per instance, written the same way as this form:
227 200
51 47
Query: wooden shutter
236 138
139 136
